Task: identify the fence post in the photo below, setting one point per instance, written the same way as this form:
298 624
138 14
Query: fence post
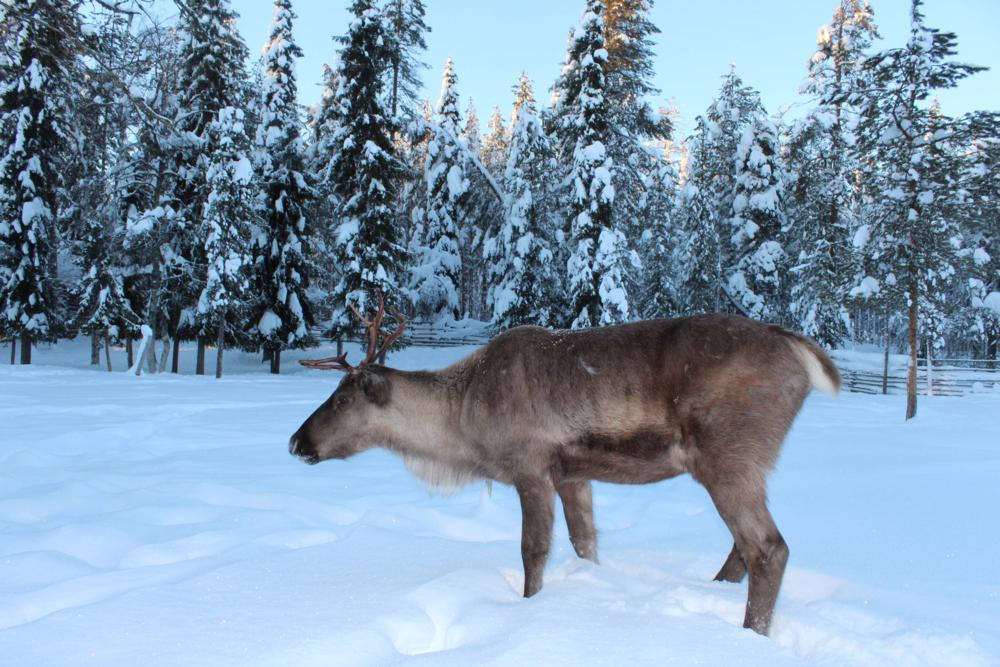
930 370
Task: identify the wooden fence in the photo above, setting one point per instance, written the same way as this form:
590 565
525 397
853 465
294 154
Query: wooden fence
427 334
948 377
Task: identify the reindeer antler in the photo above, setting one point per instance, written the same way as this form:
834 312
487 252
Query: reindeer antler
374 327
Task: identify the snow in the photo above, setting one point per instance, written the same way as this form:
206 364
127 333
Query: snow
992 301
242 170
458 184
32 210
160 520
868 287
269 323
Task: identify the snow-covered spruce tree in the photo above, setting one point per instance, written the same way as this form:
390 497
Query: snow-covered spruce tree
822 193
228 225
35 64
754 281
908 250
638 127
213 78
109 108
981 230
708 195
282 312
520 271
412 199
363 171
406 29
104 309
321 154
482 212
657 288
147 186
493 149
598 252
470 131
699 254
437 270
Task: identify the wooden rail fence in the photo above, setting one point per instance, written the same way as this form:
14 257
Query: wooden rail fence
948 377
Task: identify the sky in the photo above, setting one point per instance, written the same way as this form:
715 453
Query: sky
770 42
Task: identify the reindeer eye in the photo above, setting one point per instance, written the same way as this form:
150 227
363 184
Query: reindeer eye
341 401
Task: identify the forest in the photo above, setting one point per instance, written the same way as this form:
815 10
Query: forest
156 181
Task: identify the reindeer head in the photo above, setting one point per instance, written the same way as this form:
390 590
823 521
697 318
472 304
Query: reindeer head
345 423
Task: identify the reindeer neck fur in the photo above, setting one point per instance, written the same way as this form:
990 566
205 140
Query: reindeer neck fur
420 424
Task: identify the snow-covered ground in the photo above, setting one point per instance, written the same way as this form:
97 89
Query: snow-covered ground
160 521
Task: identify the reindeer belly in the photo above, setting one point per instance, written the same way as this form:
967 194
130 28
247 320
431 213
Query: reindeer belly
639 456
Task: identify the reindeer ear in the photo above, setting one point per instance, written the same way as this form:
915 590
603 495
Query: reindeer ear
375 387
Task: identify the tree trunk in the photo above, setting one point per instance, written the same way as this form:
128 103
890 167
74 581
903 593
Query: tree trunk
144 344
130 354
175 361
199 366
340 346
276 361
163 357
13 349
151 355
107 348
25 348
220 342
95 349
930 370
911 379
885 365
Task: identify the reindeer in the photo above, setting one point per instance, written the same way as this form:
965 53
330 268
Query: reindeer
549 411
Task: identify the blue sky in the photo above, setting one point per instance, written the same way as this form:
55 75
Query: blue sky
770 43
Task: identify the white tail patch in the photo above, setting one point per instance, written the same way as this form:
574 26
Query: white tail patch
817 376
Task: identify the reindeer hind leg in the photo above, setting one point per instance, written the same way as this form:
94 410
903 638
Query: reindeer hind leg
734 569
578 507
743 506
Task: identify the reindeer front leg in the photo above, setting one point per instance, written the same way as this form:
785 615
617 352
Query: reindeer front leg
537 496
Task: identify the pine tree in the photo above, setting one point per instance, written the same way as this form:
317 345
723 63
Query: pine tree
406 28
363 170
908 248
754 280
228 225
519 259
438 271
597 260
823 194
35 65
283 312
